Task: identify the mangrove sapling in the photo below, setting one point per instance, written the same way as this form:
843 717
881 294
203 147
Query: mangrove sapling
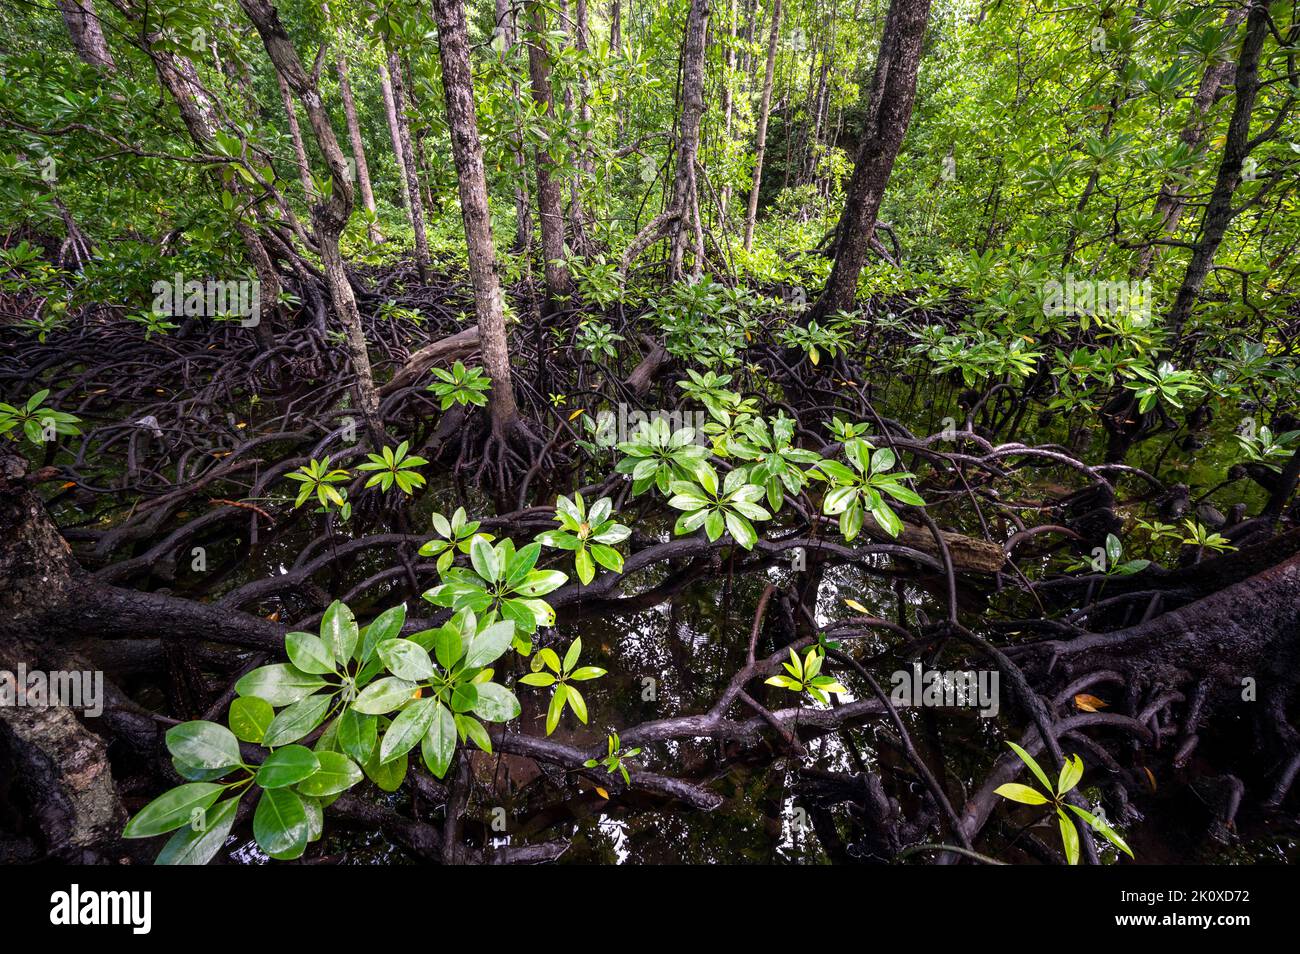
1071 773
616 758
440 681
38 423
590 536
501 583
656 456
859 489
562 675
318 479
394 466
460 385
728 508
804 675
458 534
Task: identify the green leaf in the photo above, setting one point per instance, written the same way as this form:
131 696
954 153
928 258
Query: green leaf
472 728
338 627
1021 793
1033 766
387 775
439 743
571 657
488 645
584 565
449 644
485 559
556 707
1069 837
280 684
357 733
406 660
578 704
309 653
387 625
203 744
249 717
280 824
496 703
172 809
287 766
337 774
198 846
297 720
384 695
407 729
1071 772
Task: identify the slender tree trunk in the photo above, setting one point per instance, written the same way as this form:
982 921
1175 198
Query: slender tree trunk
893 90
458 85
577 224
295 134
680 219
728 68
179 78
390 115
331 215
685 189
358 147
586 166
414 200
1219 213
505 18
86 33
550 202
1170 204
764 109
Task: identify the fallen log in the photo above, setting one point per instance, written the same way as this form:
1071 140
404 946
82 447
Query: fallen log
458 346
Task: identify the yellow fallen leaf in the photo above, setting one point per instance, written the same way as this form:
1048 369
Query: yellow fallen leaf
576 414
241 425
1151 779
602 793
857 607
1089 703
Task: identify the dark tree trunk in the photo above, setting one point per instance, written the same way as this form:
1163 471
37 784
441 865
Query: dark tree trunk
414 201
764 110
86 33
458 85
685 198
1170 204
331 215
550 201
893 90
1236 147
358 147
507 25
